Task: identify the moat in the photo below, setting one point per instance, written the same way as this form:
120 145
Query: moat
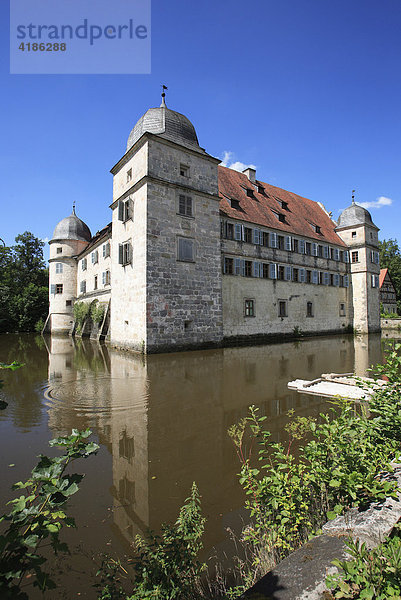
161 422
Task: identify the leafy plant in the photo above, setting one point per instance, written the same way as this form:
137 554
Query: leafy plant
97 312
81 312
371 574
38 515
14 365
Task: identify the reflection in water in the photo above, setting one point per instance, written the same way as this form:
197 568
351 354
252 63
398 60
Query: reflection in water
164 418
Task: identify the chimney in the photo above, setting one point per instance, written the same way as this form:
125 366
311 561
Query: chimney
250 172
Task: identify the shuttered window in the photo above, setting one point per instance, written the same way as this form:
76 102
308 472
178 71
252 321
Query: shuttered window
95 257
185 206
124 253
84 264
186 249
106 250
273 240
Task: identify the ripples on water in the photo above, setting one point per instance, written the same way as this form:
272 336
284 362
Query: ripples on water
161 422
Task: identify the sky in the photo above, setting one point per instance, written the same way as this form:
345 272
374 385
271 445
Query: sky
307 91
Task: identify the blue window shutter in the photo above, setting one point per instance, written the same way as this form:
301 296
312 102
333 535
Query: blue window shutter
288 273
52 289
336 254
315 277
256 236
302 246
238 232
288 243
325 252
121 210
237 266
314 249
243 268
346 256
273 271
273 240
302 275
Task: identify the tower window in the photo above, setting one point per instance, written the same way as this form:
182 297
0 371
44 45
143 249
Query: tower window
95 283
129 175
82 287
124 253
59 288
342 309
354 257
184 171
185 206
124 210
249 308
95 257
59 250
186 249
309 309
353 234
84 264
106 277
59 267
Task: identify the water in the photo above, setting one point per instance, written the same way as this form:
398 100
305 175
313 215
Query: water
161 422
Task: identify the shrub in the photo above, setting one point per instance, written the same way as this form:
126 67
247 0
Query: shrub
81 312
97 312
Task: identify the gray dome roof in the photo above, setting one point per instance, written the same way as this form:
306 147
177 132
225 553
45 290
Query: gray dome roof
167 124
72 228
354 215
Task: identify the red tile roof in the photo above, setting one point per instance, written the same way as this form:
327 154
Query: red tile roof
383 273
301 214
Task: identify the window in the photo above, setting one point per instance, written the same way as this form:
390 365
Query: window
282 308
295 276
280 242
314 249
295 245
235 204
315 277
354 257
273 271
342 309
82 287
265 271
95 283
248 235
250 193
264 239
326 278
228 266
308 248
124 253
345 281
261 189
346 256
185 206
280 274
288 273
59 288
353 234
249 308
124 210
59 267
317 229
302 246
326 252
374 257
375 281
68 302
248 268
186 249
336 254
184 171
106 249
59 250
106 278
273 240
309 309
129 175
308 276
257 236
84 264
95 257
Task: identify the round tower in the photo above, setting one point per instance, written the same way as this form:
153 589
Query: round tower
356 228
70 237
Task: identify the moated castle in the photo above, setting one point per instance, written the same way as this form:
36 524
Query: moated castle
199 255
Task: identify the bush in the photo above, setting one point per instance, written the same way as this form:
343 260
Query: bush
81 312
97 312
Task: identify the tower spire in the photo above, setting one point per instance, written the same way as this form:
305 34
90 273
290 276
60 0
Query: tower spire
353 196
163 104
73 208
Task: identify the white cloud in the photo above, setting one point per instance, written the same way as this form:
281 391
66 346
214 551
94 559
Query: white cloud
227 161
378 203
45 240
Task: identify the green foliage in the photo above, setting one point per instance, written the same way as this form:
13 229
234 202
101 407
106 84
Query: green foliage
297 487
39 325
390 258
23 284
97 312
38 515
371 574
81 312
166 565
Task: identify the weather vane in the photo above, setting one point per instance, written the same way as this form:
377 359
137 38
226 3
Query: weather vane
73 207
353 196
164 87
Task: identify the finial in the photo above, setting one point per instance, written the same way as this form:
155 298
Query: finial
163 104
73 208
353 196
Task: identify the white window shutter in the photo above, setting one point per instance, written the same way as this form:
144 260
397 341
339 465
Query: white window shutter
273 240
314 249
346 256
273 271
288 243
52 289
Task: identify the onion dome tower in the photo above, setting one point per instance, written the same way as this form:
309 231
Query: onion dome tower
356 228
70 237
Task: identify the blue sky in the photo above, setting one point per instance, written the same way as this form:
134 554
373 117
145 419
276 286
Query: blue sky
306 90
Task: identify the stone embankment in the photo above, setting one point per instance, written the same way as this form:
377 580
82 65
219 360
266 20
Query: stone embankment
302 575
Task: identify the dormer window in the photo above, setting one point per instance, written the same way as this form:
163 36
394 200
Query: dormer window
261 189
283 204
250 193
234 204
279 216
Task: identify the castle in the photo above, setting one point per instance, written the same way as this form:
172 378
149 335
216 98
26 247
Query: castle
199 255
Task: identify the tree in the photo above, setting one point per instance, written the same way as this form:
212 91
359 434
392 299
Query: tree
390 258
23 284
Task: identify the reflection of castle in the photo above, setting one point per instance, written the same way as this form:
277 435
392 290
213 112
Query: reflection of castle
164 418
200 255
